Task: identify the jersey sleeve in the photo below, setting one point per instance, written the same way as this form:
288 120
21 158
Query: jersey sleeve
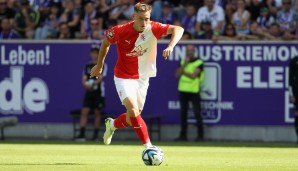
112 34
159 29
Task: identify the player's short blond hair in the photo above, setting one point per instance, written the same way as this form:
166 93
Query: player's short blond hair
141 7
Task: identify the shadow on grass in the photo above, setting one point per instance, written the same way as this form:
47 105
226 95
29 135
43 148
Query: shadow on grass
160 143
38 164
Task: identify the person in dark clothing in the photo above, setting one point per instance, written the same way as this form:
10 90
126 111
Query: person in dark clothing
191 74
93 98
293 86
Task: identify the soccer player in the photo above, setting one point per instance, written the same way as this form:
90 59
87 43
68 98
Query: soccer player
293 83
137 49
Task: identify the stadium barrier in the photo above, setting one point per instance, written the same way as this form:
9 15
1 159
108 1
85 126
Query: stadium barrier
7 122
245 86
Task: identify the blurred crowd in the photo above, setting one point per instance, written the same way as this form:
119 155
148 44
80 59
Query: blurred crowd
204 19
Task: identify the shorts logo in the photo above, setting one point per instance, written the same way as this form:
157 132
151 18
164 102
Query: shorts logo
111 34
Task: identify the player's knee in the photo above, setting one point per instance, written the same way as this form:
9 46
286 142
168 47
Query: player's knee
128 121
133 112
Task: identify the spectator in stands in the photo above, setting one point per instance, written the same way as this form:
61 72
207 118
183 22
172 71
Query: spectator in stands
230 8
229 33
26 19
168 16
71 16
64 31
213 13
6 12
125 10
12 4
265 19
206 31
96 32
93 98
241 19
6 30
190 74
78 5
186 35
89 13
188 22
257 33
274 31
287 35
287 17
105 7
271 5
221 3
254 7
50 26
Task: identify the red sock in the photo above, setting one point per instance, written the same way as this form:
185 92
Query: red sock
140 128
120 122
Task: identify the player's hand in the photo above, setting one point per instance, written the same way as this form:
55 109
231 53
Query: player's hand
167 52
293 99
96 72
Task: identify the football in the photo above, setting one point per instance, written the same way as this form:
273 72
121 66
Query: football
152 156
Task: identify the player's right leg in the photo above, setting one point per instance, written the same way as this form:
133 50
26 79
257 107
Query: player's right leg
124 87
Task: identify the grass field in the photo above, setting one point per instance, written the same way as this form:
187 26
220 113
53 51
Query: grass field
53 155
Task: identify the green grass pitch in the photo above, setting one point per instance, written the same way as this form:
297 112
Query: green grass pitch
126 156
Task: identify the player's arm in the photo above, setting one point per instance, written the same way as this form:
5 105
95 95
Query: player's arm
97 69
177 33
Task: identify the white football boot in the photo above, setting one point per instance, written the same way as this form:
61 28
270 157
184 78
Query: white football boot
107 136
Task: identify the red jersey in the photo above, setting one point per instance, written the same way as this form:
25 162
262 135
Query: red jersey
136 51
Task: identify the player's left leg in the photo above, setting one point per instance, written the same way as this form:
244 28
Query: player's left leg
196 103
137 122
135 118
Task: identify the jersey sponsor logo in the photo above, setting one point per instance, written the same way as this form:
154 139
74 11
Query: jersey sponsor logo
111 34
137 51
